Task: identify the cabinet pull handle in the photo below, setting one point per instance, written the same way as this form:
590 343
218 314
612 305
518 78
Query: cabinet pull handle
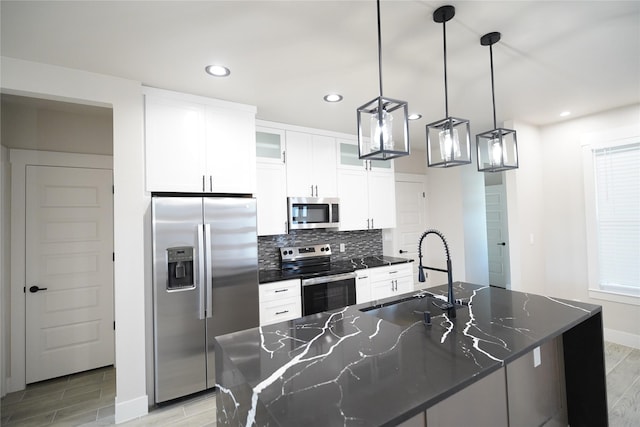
281 290
372 223
282 312
284 157
367 223
211 183
363 277
316 191
203 187
286 227
312 191
393 272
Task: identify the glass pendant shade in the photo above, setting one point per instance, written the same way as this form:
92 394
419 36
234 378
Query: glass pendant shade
448 140
448 143
497 150
386 136
383 123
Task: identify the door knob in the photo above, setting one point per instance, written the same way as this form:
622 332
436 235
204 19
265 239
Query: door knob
501 244
402 252
35 289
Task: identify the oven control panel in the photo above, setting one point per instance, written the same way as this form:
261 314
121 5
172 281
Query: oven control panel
301 252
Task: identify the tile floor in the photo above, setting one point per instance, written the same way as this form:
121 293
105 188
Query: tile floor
87 399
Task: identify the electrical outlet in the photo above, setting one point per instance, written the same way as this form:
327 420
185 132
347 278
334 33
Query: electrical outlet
341 247
536 357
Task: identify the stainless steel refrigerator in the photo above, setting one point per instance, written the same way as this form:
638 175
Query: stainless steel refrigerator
205 283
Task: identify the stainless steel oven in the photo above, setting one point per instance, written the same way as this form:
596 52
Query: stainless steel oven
325 286
330 292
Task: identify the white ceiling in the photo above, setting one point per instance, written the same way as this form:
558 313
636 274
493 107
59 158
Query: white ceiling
582 56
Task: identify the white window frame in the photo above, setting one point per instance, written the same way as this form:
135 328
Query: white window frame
590 143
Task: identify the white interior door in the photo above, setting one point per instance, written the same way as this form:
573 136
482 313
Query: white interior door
69 253
497 235
411 213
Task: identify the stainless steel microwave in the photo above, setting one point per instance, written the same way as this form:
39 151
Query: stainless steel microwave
313 212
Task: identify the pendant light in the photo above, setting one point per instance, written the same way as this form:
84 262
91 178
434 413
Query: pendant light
383 129
497 148
448 140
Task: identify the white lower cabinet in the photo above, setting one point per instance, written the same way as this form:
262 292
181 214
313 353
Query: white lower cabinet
363 286
391 280
383 282
280 301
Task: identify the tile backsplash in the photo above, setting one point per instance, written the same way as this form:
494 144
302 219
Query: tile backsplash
358 244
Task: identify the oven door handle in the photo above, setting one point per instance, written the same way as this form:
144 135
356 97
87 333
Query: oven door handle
328 279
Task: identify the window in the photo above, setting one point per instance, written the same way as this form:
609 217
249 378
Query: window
612 195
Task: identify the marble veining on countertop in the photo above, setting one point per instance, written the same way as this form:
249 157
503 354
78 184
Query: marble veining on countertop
372 365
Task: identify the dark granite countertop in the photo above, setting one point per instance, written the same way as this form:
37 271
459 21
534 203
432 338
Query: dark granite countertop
268 276
351 367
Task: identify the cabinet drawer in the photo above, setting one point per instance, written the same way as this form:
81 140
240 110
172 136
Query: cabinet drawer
280 310
277 291
390 272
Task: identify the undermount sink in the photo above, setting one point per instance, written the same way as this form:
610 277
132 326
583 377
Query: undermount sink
406 312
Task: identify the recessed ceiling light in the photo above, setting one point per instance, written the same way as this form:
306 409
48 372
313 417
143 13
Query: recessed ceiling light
217 70
414 116
565 113
333 97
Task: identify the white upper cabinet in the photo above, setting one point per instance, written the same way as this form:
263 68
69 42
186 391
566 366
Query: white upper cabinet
366 190
230 150
311 165
196 144
174 144
271 189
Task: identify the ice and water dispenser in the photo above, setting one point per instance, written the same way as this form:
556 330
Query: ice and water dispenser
180 268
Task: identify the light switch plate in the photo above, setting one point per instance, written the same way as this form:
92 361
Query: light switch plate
341 247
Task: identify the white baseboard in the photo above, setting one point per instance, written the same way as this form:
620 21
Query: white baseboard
623 338
131 409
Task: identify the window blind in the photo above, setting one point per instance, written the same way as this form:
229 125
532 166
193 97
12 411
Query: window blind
617 175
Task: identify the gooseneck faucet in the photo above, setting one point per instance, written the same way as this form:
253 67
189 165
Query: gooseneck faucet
450 306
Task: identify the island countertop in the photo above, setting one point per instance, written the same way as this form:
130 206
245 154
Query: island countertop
365 366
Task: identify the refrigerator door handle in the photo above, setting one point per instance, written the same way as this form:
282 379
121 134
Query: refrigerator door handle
202 282
209 269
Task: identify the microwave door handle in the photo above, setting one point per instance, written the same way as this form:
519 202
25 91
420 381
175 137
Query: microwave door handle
209 270
201 275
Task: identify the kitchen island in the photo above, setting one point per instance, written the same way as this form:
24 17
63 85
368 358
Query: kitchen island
507 358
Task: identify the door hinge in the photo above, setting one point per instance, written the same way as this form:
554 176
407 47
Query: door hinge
24 290
424 196
113 256
113 189
114 325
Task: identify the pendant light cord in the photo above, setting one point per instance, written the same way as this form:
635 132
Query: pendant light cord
446 94
493 94
379 49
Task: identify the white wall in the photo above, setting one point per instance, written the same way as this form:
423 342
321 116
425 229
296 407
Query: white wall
563 216
130 203
547 223
456 207
525 212
5 270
